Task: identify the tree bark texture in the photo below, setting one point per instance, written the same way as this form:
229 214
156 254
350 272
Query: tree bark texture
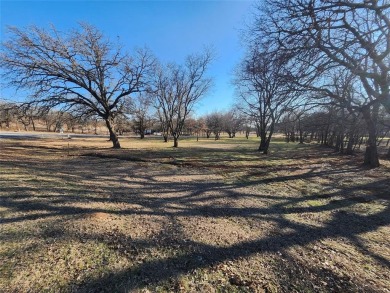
371 155
113 137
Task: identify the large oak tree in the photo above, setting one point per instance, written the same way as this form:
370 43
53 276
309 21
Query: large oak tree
80 69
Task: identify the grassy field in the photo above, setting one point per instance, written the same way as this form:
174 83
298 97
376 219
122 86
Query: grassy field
210 216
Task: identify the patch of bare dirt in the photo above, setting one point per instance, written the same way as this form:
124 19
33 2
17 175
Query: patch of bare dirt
301 220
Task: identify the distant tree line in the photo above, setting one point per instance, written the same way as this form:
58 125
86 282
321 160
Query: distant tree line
141 119
82 72
314 70
28 117
340 130
319 67
334 128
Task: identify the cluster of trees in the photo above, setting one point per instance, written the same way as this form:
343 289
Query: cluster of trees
142 118
316 70
322 61
84 73
333 127
31 117
230 122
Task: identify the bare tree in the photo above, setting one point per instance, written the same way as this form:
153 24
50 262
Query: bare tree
190 126
28 114
247 126
80 68
233 122
215 123
179 88
200 127
23 115
322 35
203 126
7 114
70 121
164 124
140 111
264 89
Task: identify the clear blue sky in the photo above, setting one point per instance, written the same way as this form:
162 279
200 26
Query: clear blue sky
171 29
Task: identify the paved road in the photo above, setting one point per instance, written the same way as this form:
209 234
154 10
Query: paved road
35 135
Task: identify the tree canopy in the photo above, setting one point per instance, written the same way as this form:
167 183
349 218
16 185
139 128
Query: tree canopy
80 70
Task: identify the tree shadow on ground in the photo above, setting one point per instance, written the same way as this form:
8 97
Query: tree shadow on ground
200 255
190 200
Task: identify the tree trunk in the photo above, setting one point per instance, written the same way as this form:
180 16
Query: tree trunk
300 130
351 142
287 135
342 139
257 130
352 138
292 135
33 124
371 155
338 144
301 140
263 147
325 140
175 142
113 137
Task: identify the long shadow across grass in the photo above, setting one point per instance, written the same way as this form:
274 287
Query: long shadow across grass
199 255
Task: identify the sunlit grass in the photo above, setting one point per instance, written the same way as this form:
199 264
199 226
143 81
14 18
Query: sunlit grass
153 217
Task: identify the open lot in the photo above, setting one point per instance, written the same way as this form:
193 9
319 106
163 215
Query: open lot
210 216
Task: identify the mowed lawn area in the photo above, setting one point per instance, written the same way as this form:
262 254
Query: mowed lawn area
209 216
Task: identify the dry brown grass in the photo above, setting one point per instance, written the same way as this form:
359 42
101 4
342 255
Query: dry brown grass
207 217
